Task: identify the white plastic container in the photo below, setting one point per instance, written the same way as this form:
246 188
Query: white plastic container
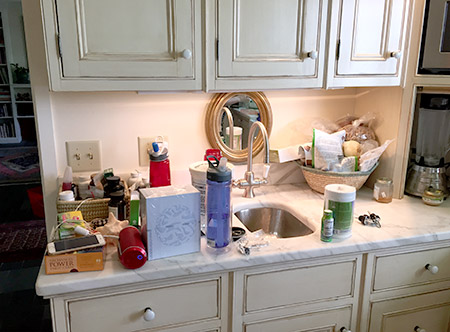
83 186
198 179
134 177
66 195
340 198
237 133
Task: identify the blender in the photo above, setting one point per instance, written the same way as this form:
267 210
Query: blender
431 146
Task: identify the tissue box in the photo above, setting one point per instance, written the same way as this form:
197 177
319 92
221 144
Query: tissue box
170 220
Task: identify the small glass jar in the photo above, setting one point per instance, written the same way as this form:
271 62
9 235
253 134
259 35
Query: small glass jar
383 190
433 197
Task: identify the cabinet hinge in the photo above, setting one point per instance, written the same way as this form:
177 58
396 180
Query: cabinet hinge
58 41
338 49
217 49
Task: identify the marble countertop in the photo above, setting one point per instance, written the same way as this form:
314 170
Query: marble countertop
404 222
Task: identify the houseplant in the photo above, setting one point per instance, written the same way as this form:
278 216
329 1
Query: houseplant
20 74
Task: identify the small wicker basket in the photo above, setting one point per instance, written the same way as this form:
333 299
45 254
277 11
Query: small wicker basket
318 179
92 208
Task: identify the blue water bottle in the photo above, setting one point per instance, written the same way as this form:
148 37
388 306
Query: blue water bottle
218 207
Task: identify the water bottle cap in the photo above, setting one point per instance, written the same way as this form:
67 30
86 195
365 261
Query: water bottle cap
218 171
161 157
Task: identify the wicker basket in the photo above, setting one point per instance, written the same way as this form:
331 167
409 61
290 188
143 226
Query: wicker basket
92 208
318 179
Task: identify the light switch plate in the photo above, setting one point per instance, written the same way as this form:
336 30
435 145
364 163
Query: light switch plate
145 143
84 156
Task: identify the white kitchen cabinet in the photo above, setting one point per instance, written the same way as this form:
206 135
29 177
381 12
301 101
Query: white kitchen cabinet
320 295
420 313
192 305
322 321
265 44
407 288
223 45
367 42
123 45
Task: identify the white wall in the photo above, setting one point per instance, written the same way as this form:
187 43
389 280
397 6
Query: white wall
118 118
385 103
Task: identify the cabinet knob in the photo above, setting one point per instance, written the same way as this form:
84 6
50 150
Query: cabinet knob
418 329
396 54
344 329
313 55
149 314
186 54
432 268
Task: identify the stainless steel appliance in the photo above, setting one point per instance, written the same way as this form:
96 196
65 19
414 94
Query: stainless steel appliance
430 144
435 49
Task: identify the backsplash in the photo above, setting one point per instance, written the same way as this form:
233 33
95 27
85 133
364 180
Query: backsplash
118 118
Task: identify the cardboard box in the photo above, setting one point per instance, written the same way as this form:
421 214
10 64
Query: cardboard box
170 220
79 261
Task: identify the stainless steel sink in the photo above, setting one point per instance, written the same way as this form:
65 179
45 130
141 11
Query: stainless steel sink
273 221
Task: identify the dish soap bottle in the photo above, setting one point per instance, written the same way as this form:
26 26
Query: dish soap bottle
218 207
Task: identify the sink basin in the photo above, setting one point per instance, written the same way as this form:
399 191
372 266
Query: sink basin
273 221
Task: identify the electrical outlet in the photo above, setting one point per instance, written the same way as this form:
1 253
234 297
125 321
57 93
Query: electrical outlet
83 156
144 144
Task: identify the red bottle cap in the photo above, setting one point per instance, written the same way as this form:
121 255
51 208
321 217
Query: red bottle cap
213 152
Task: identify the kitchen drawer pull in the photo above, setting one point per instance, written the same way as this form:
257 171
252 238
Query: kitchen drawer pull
186 54
344 329
313 55
149 314
397 54
418 329
432 268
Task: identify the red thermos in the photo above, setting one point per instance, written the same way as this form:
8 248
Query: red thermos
132 252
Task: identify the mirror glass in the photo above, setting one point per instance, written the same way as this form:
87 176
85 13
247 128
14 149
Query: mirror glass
242 109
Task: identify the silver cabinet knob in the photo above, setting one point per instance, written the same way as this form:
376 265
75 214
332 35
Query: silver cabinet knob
418 329
432 268
396 54
313 55
344 329
186 54
149 314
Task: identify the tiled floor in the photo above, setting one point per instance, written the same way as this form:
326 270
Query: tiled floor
20 308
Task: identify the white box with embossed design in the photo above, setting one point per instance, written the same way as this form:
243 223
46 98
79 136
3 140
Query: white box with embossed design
170 220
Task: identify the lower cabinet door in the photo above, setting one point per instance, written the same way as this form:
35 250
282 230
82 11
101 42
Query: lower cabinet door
332 320
166 308
420 313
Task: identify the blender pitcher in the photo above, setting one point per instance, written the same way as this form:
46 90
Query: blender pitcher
433 133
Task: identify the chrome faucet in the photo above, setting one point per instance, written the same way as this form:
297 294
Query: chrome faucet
230 126
250 182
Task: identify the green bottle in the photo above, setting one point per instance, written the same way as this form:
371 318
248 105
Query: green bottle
326 234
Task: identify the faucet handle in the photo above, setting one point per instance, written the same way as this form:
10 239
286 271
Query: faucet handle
266 171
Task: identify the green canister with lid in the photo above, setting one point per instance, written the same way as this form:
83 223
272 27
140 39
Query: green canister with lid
340 199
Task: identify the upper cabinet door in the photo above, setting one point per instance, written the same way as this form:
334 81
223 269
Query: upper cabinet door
368 39
262 40
129 40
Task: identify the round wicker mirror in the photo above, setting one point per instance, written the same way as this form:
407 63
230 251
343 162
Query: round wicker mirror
245 109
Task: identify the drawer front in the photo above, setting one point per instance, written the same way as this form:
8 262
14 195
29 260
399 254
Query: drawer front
325 321
404 270
266 290
179 304
430 312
